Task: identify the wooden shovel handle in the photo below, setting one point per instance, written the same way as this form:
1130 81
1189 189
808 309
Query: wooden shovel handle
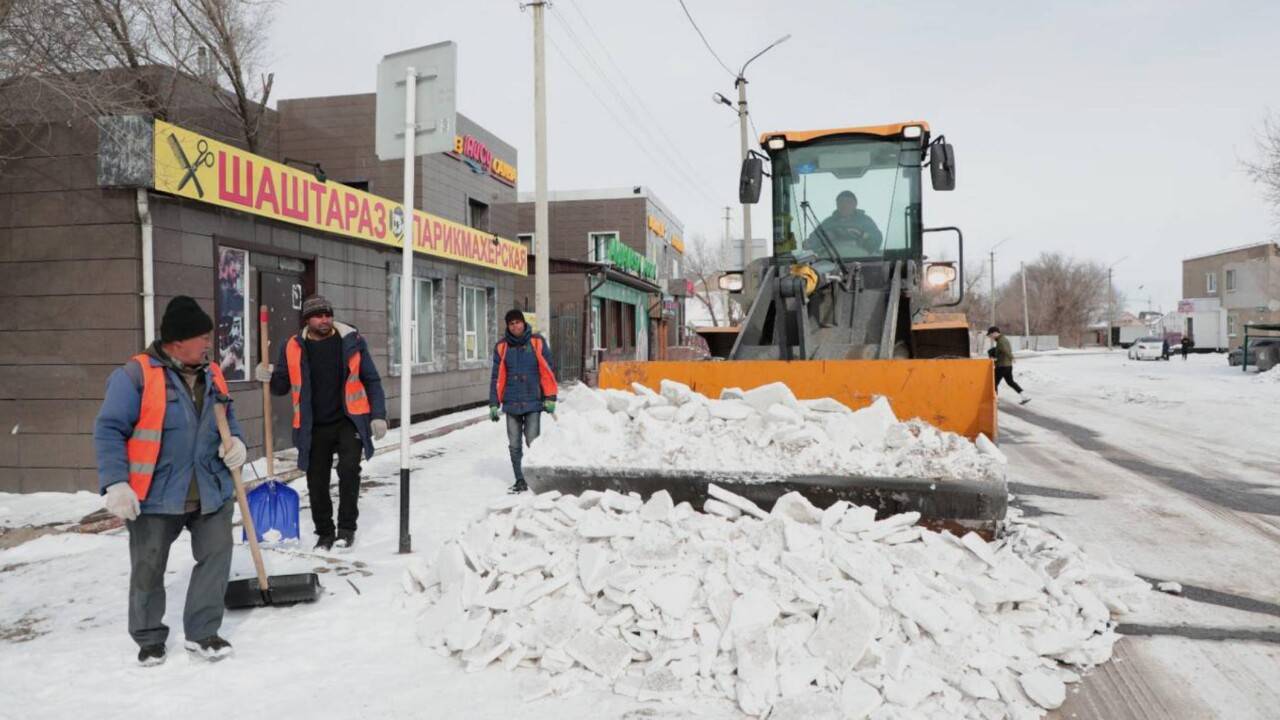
220 413
266 393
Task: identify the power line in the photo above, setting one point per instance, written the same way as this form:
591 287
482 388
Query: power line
704 39
640 101
672 160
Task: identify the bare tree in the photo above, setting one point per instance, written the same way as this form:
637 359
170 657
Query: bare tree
71 61
704 264
1265 170
1064 295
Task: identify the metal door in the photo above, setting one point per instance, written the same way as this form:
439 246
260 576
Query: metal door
282 294
566 346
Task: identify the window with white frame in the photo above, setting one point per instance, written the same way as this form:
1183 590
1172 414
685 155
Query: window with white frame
1211 283
1231 325
1231 280
421 324
598 244
475 323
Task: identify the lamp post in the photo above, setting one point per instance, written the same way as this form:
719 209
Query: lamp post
741 84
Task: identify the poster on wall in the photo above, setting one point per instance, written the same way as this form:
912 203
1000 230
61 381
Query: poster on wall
232 303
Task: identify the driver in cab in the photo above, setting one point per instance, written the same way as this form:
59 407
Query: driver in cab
850 230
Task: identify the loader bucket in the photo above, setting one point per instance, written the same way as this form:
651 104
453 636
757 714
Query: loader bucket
956 395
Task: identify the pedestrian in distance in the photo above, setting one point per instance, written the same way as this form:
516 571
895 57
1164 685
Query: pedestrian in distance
523 384
162 467
1187 344
1002 353
338 407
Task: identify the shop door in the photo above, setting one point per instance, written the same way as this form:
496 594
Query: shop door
282 294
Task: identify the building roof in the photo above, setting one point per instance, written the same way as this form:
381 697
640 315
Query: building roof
1230 250
619 193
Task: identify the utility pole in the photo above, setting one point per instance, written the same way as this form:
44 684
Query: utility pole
993 286
741 83
1111 301
1026 309
728 238
541 231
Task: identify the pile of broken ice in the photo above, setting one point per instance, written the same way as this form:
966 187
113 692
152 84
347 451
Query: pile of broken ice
766 431
795 613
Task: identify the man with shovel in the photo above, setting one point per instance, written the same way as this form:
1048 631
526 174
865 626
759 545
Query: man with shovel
338 406
161 467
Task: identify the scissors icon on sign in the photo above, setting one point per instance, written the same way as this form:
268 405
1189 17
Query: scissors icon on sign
204 157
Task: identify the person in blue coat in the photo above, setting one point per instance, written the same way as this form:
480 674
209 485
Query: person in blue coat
523 384
338 407
162 467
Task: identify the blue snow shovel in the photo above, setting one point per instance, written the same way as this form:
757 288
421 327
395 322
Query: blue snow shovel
273 505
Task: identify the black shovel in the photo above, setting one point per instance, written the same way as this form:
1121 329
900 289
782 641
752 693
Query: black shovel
260 591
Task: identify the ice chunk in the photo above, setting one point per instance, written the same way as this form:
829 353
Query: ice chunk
845 629
617 400
735 500
602 655
676 393
979 547
660 685
730 409
620 503
858 699
986 447
871 423
1170 587
658 507
766 396
1044 688
784 415
673 594
797 507
810 706
825 405
715 507
593 567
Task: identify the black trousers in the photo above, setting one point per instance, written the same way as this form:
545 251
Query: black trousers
343 438
1005 373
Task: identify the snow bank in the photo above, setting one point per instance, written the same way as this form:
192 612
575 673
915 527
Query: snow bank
796 613
765 431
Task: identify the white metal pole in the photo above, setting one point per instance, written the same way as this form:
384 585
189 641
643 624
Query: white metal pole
406 308
993 286
1111 310
742 132
541 231
148 270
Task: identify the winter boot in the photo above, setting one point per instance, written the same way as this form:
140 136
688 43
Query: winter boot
212 648
518 488
324 543
1024 399
151 655
346 538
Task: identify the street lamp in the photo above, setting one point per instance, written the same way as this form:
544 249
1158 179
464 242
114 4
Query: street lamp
741 84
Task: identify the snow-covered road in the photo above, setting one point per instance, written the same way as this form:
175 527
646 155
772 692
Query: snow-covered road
1172 468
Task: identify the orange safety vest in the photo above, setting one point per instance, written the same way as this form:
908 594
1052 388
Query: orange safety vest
546 378
143 446
356 399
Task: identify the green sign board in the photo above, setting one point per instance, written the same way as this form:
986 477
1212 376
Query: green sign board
628 260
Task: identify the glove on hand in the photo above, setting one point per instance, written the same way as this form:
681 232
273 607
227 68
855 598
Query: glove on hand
549 406
121 501
262 373
236 455
493 413
379 428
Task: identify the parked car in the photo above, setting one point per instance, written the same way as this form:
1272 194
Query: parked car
1148 348
1235 356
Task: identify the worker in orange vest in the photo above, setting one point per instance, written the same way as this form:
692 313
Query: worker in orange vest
523 383
162 467
338 406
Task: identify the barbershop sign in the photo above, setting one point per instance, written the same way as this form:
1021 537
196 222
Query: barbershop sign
193 166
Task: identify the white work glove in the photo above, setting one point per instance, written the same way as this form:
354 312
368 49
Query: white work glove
262 373
121 501
236 456
379 428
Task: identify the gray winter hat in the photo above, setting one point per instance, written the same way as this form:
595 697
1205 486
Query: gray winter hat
316 305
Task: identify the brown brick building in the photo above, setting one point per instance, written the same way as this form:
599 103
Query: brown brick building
79 202
616 277
1245 281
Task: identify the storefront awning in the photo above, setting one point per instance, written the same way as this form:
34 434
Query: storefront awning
566 265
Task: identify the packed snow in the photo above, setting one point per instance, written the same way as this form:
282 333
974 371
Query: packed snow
765 431
795 613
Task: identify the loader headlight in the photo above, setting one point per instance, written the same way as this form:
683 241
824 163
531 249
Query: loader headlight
731 282
939 275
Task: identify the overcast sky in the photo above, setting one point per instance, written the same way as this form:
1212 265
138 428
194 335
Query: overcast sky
1099 129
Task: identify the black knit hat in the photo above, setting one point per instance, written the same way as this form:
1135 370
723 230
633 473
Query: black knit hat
316 305
183 320
514 314
993 329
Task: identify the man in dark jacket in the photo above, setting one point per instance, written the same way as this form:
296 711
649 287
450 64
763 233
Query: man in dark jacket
1002 353
338 405
523 384
162 467
1187 344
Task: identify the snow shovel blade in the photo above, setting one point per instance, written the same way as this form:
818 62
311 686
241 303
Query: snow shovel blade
957 505
282 590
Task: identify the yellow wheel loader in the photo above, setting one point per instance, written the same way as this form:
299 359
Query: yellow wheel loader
846 307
